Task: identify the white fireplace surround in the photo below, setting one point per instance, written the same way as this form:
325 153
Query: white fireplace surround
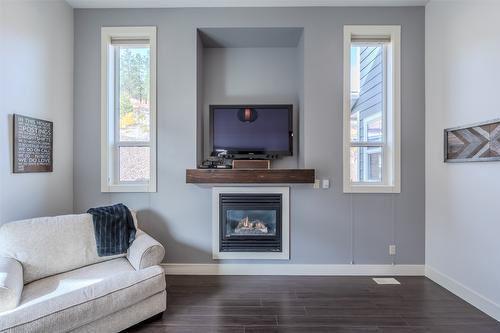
285 220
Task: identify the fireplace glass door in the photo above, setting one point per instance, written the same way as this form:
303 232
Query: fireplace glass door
250 222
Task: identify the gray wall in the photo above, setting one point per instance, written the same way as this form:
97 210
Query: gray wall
327 226
462 221
36 59
251 76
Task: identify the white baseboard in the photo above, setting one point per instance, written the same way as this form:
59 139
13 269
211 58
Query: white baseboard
479 301
292 269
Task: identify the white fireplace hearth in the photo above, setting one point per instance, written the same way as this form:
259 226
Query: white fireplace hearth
251 223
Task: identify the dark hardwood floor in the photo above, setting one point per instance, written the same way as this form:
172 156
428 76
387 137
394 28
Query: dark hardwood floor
250 304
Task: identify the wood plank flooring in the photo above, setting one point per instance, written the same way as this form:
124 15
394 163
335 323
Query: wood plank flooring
251 304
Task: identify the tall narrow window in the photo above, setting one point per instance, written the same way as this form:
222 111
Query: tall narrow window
128 115
372 109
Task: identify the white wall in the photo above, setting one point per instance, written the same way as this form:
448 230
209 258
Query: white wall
462 199
36 50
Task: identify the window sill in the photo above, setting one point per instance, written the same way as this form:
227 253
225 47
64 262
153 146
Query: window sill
350 188
129 188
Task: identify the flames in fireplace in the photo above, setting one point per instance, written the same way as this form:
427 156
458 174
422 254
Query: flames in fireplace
255 227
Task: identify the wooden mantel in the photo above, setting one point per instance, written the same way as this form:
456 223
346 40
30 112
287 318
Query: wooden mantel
250 176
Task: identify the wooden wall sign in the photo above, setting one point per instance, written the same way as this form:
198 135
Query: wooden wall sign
33 144
473 143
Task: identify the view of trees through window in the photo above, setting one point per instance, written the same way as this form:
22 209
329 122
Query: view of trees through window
134 93
134 117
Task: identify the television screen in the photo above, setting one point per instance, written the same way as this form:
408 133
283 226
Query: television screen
256 129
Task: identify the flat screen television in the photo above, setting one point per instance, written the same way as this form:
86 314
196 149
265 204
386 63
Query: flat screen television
252 130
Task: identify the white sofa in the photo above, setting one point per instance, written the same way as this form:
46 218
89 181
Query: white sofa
52 280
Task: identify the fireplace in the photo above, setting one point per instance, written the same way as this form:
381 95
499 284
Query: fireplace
250 222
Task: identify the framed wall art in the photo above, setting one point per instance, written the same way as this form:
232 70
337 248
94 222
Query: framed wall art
473 143
33 144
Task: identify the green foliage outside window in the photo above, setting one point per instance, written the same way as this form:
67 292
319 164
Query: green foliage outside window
134 73
134 92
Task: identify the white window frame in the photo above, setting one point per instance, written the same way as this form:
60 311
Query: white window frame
109 112
391 154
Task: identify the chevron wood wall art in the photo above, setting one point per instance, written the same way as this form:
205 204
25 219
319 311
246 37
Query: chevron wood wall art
473 143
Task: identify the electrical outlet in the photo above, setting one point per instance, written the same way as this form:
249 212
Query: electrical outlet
392 250
326 183
316 184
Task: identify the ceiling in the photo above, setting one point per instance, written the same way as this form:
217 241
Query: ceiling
238 3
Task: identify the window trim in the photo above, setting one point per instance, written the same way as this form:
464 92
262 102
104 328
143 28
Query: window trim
109 182
382 145
392 152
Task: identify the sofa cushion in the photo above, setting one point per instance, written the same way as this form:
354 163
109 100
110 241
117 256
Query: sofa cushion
133 212
69 300
51 245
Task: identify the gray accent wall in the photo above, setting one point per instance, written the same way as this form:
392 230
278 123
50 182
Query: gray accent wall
36 80
327 226
266 75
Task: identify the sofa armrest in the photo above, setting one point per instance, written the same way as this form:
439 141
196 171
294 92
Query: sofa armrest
145 251
11 283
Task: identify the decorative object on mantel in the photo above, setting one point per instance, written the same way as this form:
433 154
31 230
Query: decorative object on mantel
473 143
33 144
251 164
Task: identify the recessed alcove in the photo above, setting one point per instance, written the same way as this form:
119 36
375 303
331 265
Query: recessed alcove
258 65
